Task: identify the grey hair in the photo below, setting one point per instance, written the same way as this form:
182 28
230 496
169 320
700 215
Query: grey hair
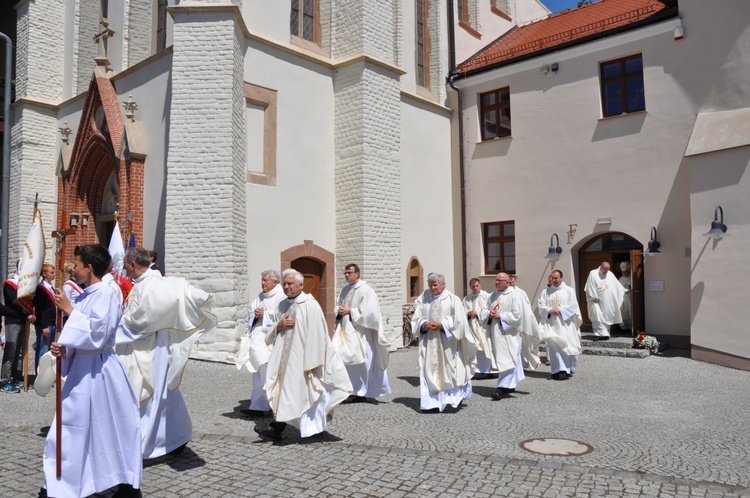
139 256
436 277
272 274
298 277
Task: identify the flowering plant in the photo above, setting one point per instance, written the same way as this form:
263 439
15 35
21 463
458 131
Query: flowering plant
643 341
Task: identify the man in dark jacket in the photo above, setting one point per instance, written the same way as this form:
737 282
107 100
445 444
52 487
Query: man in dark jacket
11 375
46 312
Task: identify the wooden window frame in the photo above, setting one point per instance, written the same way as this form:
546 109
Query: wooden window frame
497 108
622 78
422 44
265 98
414 271
298 38
497 11
501 240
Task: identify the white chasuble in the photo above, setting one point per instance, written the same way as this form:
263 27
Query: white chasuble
162 319
363 321
565 328
446 356
253 351
610 294
305 378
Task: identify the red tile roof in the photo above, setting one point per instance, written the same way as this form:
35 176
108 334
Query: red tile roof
563 28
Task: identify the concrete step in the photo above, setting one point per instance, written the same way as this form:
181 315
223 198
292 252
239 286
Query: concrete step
621 346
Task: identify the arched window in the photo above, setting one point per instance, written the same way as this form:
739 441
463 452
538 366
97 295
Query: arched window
414 280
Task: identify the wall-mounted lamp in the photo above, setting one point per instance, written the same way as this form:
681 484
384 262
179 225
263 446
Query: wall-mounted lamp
653 244
85 219
572 231
718 228
74 219
550 69
604 221
554 248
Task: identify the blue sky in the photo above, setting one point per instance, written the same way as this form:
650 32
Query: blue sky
559 5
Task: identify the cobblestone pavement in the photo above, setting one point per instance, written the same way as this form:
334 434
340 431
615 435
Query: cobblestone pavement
661 426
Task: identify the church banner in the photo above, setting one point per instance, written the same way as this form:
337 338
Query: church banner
32 259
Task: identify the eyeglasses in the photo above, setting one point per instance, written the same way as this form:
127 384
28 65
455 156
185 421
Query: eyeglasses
502 280
349 272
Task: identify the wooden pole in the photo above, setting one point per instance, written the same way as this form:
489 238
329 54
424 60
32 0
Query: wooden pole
60 234
26 328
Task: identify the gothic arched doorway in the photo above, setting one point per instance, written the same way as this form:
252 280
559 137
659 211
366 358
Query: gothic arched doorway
614 248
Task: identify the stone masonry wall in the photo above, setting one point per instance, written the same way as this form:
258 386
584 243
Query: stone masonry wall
39 72
205 192
368 183
368 130
139 34
39 56
32 171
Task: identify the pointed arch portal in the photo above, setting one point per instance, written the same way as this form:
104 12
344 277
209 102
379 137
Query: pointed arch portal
102 177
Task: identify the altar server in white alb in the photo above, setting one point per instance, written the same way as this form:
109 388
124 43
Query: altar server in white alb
162 319
101 439
306 378
447 349
561 319
254 352
474 302
359 339
604 296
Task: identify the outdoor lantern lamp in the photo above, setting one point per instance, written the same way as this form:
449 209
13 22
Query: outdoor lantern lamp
718 228
73 220
653 244
554 248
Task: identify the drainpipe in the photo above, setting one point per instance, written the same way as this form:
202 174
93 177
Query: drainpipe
4 208
452 75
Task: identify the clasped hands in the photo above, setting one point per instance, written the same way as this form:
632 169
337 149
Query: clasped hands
432 326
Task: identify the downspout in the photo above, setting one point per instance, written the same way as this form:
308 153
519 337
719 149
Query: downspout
5 192
452 75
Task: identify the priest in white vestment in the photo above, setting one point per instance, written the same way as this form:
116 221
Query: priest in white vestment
359 338
561 319
101 439
162 319
306 378
627 302
254 352
447 349
475 301
604 295
505 317
531 333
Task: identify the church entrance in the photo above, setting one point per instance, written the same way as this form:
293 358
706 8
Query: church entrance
313 272
614 248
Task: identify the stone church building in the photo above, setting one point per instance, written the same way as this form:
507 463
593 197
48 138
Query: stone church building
237 136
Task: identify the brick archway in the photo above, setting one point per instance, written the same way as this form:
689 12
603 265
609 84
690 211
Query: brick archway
327 260
97 153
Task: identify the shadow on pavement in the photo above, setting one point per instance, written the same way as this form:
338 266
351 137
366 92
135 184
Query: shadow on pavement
187 460
414 381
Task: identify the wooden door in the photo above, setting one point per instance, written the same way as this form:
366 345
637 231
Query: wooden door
636 276
312 271
588 261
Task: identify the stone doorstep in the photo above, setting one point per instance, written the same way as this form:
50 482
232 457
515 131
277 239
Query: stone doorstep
621 346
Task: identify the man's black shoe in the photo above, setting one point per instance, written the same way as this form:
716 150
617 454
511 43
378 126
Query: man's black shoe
178 450
273 431
560 376
501 393
127 491
604 338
